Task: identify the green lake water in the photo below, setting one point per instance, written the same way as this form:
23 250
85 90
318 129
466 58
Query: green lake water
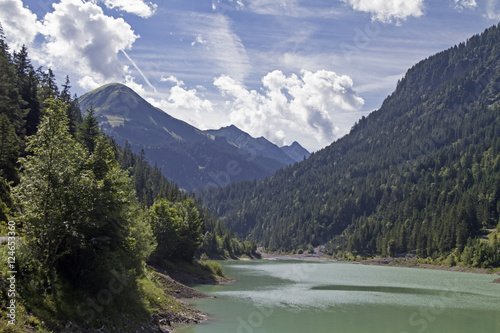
288 296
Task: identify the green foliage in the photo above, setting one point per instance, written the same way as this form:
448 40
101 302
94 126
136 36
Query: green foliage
212 267
78 207
11 103
5 203
9 149
177 228
422 173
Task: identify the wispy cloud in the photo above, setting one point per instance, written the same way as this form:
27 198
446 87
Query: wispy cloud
493 10
291 8
221 45
139 70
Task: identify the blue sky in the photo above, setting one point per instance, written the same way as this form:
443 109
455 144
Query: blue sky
288 70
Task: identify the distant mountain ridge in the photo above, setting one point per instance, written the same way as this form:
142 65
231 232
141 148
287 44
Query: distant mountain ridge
296 151
192 158
261 146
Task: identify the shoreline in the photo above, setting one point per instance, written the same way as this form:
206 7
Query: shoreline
175 284
408 262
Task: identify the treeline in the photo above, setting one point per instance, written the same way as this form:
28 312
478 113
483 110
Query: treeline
420 174
86 211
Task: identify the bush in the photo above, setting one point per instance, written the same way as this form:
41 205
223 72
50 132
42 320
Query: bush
213 267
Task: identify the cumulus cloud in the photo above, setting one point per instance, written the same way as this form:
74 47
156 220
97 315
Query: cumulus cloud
88 83
188 99
388 11
173 80
19 23
137 7
302 104
79 36
183 103
460 5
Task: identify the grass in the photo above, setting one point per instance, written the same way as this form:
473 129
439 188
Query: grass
197 268
212 267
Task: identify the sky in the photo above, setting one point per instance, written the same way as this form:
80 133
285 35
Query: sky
289 70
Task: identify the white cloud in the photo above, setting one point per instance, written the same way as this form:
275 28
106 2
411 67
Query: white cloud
19 23
272 7
188 99
460 5
227 5
291 107
173 80
388 11
492 12
137 87
88 83
227 49
81 38
199 40
290 8
223 49
182 103
137 7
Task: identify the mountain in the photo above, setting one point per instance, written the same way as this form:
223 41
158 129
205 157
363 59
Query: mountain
296 151
256 146
195 160
421 173
126 116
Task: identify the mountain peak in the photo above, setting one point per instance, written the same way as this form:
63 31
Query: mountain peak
233 127
296 151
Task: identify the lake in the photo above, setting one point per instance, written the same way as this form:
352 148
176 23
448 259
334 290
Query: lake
288 296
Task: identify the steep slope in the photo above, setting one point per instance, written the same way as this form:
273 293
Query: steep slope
186 155
421 173
127 116
296 151
256 146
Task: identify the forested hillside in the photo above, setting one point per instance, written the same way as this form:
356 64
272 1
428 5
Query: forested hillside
81 212
421 173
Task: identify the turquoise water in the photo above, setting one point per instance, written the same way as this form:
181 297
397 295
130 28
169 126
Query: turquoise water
301 296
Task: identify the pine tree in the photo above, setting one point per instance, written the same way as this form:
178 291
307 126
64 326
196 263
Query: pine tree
27 84
73 110
9 150
10 101
89 131
47 86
